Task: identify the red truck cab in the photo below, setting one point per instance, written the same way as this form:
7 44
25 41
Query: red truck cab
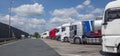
52 34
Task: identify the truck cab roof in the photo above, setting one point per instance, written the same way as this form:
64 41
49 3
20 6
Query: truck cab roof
113 4
67 24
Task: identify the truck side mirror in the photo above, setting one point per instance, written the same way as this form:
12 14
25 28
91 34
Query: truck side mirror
105 23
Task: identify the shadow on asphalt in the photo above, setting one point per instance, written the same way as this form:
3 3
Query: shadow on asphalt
108 54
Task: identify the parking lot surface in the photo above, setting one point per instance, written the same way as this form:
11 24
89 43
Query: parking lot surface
67 49
27 47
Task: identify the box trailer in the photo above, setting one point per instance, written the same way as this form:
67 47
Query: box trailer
52 34
111 28
65 34
58 33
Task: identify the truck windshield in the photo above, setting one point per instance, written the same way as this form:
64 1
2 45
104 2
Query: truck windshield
44 33
112 14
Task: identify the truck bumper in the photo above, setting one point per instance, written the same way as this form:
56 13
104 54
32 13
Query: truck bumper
110 44
109 49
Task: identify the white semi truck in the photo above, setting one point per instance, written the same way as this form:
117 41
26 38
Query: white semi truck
58 33
76 32
111 28
65 34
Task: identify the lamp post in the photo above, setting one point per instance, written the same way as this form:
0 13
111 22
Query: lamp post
11 1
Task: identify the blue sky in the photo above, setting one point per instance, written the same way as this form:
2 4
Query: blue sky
52 11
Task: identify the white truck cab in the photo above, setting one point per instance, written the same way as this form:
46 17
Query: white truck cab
58 33
111 28
65 32
45 34
76 32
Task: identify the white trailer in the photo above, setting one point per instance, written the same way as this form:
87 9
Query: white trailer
111 28
45 34
58 33
65 32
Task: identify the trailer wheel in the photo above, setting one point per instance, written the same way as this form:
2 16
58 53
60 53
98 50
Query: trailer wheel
77 41
66 39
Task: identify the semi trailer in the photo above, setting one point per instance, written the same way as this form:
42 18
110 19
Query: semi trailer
92 31
86 32
111 28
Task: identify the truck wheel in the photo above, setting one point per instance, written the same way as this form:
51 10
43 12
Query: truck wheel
77 41
52 38
58 38
119 49
66 39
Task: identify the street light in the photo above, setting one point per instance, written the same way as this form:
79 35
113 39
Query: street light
11 1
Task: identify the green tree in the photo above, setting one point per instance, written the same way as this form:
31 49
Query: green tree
37 35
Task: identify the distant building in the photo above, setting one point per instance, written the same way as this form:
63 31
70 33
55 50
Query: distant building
15 33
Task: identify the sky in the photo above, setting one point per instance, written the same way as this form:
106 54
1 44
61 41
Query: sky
42 15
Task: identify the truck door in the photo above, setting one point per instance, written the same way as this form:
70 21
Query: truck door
73 31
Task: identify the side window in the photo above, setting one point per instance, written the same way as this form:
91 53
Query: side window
44 33
75 27
71 28
57 30
63 29
50 32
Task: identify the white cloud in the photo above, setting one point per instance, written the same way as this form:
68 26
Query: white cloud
66 12
98 11
87 2
29 25
64 15
62 20
84 11
84 17
80 7
29 10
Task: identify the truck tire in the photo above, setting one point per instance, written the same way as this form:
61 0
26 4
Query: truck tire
58 39
119 49
65 39
52 38
77 41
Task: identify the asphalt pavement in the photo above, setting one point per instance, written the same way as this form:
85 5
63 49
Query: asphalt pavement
27 47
